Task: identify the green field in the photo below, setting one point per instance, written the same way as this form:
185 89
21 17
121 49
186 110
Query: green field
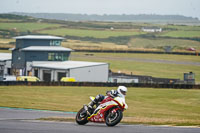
146 105
157 43
23 27
182 27
188 34
167 57
121 62
91 33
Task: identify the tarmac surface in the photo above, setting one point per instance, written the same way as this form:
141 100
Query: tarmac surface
143 60
23 121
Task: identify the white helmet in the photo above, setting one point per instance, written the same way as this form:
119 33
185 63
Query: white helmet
122 90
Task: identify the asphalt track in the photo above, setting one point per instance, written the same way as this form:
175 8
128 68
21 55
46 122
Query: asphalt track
22 121
142 60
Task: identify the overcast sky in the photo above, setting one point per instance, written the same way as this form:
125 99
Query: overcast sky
163 7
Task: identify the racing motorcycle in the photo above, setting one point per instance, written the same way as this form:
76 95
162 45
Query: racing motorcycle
108 111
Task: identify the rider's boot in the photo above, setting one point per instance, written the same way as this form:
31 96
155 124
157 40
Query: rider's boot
91 104
97 99
90 107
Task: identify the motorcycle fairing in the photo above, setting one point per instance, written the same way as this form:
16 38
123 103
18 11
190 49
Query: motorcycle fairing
99 113
121 102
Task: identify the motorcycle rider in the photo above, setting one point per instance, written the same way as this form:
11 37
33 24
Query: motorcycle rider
120 92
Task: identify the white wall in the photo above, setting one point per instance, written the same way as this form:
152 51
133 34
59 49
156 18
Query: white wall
85 74
91 74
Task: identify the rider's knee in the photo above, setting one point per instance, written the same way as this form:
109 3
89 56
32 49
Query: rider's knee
99 98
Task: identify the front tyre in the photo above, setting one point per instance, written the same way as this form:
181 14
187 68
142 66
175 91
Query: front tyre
113 119
81 117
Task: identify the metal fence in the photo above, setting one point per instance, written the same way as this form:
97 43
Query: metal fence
143 52
100 84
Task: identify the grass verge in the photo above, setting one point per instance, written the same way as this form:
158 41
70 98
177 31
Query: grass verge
146 105
135 120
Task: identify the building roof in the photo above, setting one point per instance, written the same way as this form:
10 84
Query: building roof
5 56
39 37
46 48
65 64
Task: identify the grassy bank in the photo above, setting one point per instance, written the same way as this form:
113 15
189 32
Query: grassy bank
146 105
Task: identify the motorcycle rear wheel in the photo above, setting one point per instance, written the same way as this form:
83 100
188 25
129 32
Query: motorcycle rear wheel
81 120
114 119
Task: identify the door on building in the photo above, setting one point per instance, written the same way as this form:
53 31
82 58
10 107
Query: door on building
9 71
36 72
60 75
1 70
47 75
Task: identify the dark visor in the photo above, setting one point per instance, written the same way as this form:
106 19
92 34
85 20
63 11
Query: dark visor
123 92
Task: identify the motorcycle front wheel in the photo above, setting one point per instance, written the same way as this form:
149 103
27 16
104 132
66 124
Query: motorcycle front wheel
81 117
113 119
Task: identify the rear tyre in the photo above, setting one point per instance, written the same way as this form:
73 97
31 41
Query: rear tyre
113 119
81 117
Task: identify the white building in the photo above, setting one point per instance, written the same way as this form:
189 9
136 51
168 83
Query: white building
82 71
151 29
5 64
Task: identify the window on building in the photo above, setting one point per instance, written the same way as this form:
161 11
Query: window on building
57 56
51 56
55 43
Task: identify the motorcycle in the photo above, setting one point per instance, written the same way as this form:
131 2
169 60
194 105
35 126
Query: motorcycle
108 111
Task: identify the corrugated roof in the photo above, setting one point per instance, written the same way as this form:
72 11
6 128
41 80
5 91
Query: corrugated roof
5 56
46 48
39 37
65 64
